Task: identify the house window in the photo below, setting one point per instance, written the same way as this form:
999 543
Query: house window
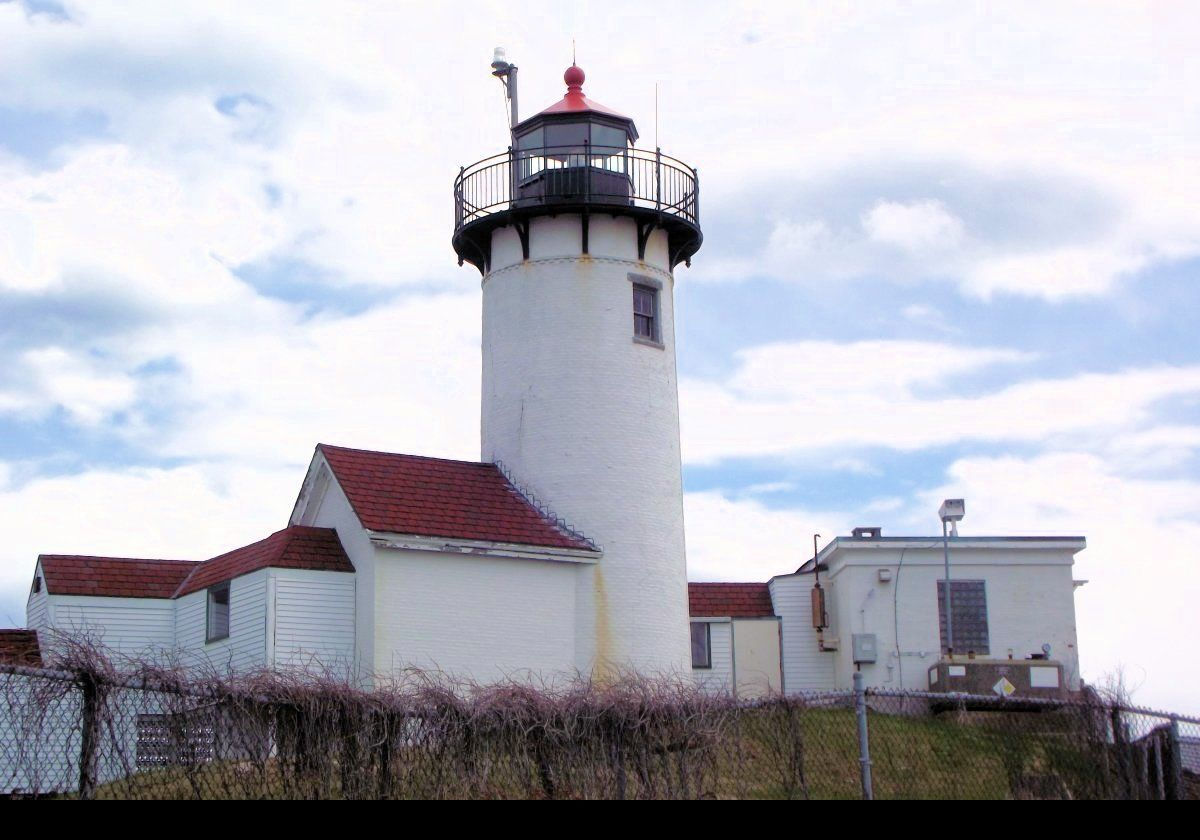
969 602
645 313
701 645
218 613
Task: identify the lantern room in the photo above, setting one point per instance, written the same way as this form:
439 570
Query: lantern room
575 157
575 150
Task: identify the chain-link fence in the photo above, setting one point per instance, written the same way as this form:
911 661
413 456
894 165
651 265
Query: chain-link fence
88 731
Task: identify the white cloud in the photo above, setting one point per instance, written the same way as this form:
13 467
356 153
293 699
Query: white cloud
821 396
915 226
78 385
794 239
744 540
1056 275
402 377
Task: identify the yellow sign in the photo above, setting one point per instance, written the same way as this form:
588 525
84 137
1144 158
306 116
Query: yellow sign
1004 688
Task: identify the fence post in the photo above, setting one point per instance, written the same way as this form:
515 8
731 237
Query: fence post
89 688
1174 786
864 748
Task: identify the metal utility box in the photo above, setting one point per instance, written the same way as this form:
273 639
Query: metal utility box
865 646
1000 678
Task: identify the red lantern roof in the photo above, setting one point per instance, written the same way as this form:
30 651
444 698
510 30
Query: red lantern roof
575 102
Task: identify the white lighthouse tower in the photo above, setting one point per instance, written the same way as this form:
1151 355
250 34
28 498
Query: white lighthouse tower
577 233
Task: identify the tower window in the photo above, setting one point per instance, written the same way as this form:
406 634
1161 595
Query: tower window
217 625
645 313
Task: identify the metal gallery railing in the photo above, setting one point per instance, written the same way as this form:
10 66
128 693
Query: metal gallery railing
577 176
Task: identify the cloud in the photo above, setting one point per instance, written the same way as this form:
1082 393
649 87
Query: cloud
1054 274
73 383
825 396
916 226
984 231
744 540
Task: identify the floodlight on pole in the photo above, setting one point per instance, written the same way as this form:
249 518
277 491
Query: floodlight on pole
507 74
951 512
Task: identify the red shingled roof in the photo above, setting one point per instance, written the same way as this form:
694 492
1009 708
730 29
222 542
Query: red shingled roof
20 647
295 547
432 497
115 577
732 600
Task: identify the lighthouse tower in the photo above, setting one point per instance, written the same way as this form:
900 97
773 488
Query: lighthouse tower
577 232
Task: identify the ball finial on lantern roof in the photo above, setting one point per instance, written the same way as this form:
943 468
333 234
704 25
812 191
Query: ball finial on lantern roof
574 78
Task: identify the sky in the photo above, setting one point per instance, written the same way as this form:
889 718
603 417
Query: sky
950 249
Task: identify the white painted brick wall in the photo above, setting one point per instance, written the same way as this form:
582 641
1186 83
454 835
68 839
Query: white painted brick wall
1030 602
589 421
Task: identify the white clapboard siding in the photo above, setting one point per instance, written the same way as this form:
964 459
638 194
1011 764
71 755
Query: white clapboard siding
314 620
246 647
805 667
481 618
37 611
719 678
129 626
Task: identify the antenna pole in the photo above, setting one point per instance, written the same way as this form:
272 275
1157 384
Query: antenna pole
656 143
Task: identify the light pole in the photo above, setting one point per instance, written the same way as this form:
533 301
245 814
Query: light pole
951 511
507 74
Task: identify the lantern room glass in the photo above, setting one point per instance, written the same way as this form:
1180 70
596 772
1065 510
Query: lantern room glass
565 144
565 160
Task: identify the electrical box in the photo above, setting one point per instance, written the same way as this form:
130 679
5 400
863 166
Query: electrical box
865 646
1004 679
820 619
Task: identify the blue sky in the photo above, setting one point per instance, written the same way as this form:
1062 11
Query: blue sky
951 249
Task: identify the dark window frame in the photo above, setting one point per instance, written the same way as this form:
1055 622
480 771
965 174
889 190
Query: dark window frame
972 633
212 630
707 662
647 326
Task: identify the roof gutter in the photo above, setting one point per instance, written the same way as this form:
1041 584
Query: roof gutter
484 548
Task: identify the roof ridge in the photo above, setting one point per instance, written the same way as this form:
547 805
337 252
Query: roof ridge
325 446
275 552
183 583
120 559
727 583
